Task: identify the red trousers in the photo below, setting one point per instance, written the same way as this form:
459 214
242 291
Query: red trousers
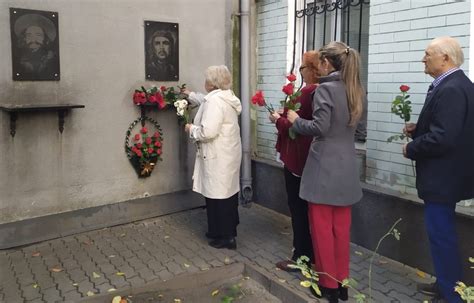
330 231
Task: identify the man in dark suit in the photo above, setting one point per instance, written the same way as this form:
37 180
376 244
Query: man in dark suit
443 148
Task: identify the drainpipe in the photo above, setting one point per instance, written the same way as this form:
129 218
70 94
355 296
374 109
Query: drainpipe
246 169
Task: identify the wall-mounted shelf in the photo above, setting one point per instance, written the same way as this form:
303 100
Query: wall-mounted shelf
61 109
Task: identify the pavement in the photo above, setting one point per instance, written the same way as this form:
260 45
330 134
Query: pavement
159 249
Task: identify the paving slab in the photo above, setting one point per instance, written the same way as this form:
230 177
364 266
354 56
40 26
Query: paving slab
163 248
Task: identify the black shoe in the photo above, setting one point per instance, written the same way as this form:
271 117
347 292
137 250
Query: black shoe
331 294
343 292
211 236
224 243
429 289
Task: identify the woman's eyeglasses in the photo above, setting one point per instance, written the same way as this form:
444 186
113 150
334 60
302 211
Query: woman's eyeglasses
302 67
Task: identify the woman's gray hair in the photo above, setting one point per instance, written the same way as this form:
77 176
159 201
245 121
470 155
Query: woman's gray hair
450 47
219 77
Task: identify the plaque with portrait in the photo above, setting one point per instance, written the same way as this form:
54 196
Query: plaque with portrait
161 51
35 45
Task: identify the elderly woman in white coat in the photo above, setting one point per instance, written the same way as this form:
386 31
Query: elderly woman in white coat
216 174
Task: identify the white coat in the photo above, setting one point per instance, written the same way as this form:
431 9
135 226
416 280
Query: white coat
216 132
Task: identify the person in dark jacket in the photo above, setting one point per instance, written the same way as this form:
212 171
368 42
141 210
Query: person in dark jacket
443 148
293 153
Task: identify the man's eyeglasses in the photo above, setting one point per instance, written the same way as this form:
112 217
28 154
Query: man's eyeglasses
302 67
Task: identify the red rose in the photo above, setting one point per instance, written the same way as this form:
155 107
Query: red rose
163 88
139 98
137 137
291 77
156 135
157 143
153 99
150 150
158 151
404 88
139 145
144 130
148 140
258 98
139 153
288 89
160 100
134 149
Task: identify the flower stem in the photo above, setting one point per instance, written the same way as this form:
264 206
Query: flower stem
412 164
375 252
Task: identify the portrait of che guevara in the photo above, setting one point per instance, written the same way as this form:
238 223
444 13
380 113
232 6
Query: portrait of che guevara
161 51
35 45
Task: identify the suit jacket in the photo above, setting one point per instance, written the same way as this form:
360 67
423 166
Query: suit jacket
443 142
330 175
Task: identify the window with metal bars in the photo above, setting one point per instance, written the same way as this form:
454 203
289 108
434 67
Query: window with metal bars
319 22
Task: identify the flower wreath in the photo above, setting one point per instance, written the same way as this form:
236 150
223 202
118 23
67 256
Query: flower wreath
146 150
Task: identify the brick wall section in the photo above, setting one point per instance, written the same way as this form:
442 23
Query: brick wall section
399 33
272 28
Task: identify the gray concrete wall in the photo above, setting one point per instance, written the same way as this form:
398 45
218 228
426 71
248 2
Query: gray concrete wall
43 172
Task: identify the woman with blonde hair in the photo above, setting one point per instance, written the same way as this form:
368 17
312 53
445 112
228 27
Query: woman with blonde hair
330 180
216 133
293 154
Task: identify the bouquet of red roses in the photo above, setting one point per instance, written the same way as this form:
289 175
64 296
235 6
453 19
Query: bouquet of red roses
291 94
162 96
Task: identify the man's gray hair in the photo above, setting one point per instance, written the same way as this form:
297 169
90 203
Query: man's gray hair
449 46
219 76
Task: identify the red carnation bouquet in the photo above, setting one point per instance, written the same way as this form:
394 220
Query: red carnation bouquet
288 102
259 99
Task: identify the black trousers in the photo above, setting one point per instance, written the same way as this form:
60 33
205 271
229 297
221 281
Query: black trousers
223 217
299 218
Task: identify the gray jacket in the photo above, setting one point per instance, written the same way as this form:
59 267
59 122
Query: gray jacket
330 175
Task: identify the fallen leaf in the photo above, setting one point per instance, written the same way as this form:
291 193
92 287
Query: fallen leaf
420 273
284 233
112 256
87 242
122 235
305 283
111 290
117 299
160 296
177 300
204 268
186 265
74 284
167 237
471 259
282 280
36 254
95 275
120 274
35 285
90 293
56 269
246 278
215 292
227 260
358 253
383 262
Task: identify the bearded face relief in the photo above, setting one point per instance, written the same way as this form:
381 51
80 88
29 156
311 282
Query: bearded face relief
35 45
